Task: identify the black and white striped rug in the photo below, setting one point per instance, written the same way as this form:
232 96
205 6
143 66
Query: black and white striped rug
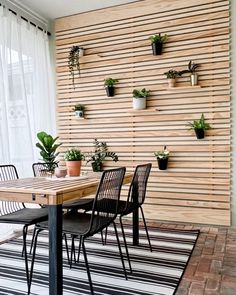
157 272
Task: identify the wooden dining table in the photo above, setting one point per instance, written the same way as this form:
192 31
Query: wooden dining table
53 192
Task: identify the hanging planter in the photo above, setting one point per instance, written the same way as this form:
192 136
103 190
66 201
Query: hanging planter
157 43
139 98
74 61
199 126
162 158
193 75
109 86
79 111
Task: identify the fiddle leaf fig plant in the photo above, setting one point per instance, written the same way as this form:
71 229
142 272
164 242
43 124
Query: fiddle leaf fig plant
48 149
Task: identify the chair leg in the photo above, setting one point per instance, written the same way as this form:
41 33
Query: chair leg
32 241
24 252
125 243
72 251
80 241
25 230
105 240
67 250
87 267
33 259
145 225
121 255
102 238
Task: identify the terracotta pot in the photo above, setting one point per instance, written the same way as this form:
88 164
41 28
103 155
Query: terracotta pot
171 82
73 168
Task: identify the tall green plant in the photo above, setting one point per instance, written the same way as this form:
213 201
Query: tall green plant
48 149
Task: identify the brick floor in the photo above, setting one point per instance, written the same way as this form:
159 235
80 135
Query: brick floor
212 267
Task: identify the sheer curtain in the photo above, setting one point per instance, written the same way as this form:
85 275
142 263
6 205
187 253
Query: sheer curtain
27 97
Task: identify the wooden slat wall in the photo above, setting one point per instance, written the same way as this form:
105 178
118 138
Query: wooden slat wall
196 186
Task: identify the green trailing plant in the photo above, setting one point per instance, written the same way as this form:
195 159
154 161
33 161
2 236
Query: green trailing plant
74 62
199 124
48 149
110 82
78 107
100 154
172 74
157 38
141 93
164 154
73 154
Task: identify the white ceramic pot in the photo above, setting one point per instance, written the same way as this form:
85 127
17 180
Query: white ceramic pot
139 103
79 114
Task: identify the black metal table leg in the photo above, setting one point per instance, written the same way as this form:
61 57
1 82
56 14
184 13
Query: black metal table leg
55 250
136 227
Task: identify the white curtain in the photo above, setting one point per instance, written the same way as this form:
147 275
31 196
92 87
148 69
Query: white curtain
27 97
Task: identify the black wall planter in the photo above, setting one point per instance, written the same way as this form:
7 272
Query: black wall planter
162 164
157 48
200 133
96 166
110 91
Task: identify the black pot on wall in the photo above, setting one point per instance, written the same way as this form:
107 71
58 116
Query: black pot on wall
157 48
200 133
162 164
110 91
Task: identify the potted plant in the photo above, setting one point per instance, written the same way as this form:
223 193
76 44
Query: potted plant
48 149
139 98
73 61
199 126
157 43
109 86
162 158
79 110
73 158
192 70
171 75
99 155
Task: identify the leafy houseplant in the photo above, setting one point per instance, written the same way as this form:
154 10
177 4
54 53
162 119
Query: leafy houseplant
99 155
171 75
192 70
79 110
199 126
162 158
73 61
157 43
48 149
139 98
109 86
73 158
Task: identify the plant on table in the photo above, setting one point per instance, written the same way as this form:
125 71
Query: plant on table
99 155
73 158
48 150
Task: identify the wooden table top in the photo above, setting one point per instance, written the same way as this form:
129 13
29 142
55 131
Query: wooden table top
40 190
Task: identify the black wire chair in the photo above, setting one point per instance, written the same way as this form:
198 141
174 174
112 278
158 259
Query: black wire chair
135 200
17 213
41 169
84 225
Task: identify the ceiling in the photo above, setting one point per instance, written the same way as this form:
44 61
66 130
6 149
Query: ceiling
51 9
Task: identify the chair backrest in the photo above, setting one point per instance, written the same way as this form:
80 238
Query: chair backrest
138 186
41 169
109 189
9 172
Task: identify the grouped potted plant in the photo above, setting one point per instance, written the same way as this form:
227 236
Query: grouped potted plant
199 126
74 61
171 75
162 158
157 43
99 154
79 110
139 98
109 86
73 158
192 67
48 150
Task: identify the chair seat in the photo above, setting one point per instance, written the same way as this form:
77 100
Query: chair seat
80 204
76 223
25 216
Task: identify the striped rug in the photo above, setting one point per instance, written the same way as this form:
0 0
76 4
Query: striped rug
157 272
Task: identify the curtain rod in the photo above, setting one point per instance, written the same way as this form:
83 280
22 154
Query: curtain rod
25 15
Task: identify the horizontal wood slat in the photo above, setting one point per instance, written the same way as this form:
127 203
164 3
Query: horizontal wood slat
197 185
